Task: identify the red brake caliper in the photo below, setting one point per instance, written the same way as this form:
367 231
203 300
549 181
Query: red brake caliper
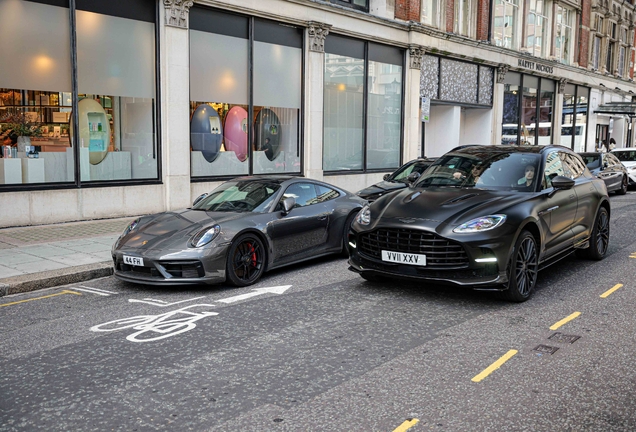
253 254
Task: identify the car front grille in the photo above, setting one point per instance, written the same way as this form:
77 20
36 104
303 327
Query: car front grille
440 252
183 269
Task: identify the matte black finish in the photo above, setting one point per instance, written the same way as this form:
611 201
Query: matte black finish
608 168
315 226
546 222
397 180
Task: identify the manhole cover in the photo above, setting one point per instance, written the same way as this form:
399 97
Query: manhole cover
545 349
563 338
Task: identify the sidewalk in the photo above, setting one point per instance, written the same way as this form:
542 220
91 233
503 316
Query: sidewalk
43 256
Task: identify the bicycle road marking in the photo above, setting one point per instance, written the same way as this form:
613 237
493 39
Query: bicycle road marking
157 324
162 303
40 298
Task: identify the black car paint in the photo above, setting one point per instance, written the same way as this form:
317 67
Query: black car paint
390 184
561 220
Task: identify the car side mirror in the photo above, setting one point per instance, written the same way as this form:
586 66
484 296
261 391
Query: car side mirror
413 177
561 183
288 204
199 198
386 176
605 164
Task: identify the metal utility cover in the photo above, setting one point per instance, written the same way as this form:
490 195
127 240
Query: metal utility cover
545 349
563 338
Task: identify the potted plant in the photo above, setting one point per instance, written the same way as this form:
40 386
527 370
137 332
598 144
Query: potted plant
22 126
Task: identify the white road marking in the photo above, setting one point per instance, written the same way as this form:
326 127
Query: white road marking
91 291
256 292
98 289
161 303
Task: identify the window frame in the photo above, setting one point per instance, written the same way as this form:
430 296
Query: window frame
514 6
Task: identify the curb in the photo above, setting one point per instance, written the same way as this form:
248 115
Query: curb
48 279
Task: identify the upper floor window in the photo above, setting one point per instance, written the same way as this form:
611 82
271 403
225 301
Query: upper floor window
430 12
563 34
355 4
536 26
462 17
505 23
621 61
596 53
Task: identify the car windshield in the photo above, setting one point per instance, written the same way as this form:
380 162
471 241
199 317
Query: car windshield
498 171
240 196
403 172
625 156
592 161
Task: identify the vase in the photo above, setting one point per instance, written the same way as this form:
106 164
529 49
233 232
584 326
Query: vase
22 142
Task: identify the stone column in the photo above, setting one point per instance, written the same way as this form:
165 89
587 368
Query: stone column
498 103
314 95
557 112
412 121
175 89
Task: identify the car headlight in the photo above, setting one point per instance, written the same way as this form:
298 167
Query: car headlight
480 224
364 216
205 236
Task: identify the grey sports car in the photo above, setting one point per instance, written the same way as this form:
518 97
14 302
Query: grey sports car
243 228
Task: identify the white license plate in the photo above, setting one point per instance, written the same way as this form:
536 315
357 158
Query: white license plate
133 261
404 258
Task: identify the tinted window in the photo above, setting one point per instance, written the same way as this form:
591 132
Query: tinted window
239 197
611 159
626 156
326 194
572 164
592 161
553 168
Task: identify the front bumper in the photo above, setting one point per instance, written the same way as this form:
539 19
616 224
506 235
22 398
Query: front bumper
186 267
471 273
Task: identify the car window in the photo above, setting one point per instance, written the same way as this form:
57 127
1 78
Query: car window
611 159
573 164
553 168
244 196
625 156
326 194
403 172
303 193
592 161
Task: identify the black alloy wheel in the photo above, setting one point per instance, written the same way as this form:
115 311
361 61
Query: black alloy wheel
522 269
623 189
345 234
599 240
245 260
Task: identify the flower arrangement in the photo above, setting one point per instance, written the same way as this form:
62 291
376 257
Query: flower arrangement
21 124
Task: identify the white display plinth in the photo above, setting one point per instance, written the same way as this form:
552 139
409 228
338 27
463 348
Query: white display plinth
32 170
226 163
115 166
10 171
55 169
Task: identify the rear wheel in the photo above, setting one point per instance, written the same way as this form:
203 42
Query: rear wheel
623 189
522 269
245 260
599 240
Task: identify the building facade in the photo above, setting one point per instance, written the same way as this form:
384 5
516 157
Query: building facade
129 107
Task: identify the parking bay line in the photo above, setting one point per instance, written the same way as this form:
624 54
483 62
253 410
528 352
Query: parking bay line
40 298
611 290
565 320
406 425
493 367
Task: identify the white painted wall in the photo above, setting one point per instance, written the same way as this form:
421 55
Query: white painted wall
443 130
476 126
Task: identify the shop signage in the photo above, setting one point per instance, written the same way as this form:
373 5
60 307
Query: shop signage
535 66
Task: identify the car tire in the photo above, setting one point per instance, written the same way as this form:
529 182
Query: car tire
245 260
345 234
623 188
523 269
599 240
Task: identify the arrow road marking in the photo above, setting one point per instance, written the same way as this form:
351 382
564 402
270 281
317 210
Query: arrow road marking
256 292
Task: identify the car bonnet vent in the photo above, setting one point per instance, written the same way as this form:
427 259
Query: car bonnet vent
459 198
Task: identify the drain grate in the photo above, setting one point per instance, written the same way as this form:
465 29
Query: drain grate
563 338
545 349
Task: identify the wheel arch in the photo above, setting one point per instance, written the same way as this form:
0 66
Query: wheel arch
262 237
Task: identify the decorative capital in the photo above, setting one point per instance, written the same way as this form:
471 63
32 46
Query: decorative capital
416 53
501 72
561 86
178 13
317 33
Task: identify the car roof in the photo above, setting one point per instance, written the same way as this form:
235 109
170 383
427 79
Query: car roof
504 149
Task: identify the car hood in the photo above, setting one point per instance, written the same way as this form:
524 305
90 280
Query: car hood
383 186
173 230
433 207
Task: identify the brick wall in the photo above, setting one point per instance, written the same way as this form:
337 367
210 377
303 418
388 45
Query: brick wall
483 19
450 15
408 10
584 34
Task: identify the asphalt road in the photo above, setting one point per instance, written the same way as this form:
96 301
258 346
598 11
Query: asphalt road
330 352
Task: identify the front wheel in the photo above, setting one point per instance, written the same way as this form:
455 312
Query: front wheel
345 235
245 260
522 269
623 189
599 240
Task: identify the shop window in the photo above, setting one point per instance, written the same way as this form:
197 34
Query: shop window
505 20
116 85
536 27
563 34
35 93
355 133
430 13
228 136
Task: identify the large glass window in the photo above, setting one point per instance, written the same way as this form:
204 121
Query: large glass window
505 23
536 26
563 34
35 93
228 136
116 86
510 121
359 136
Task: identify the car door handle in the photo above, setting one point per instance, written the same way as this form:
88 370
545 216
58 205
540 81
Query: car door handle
572 197
322 217
548 210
